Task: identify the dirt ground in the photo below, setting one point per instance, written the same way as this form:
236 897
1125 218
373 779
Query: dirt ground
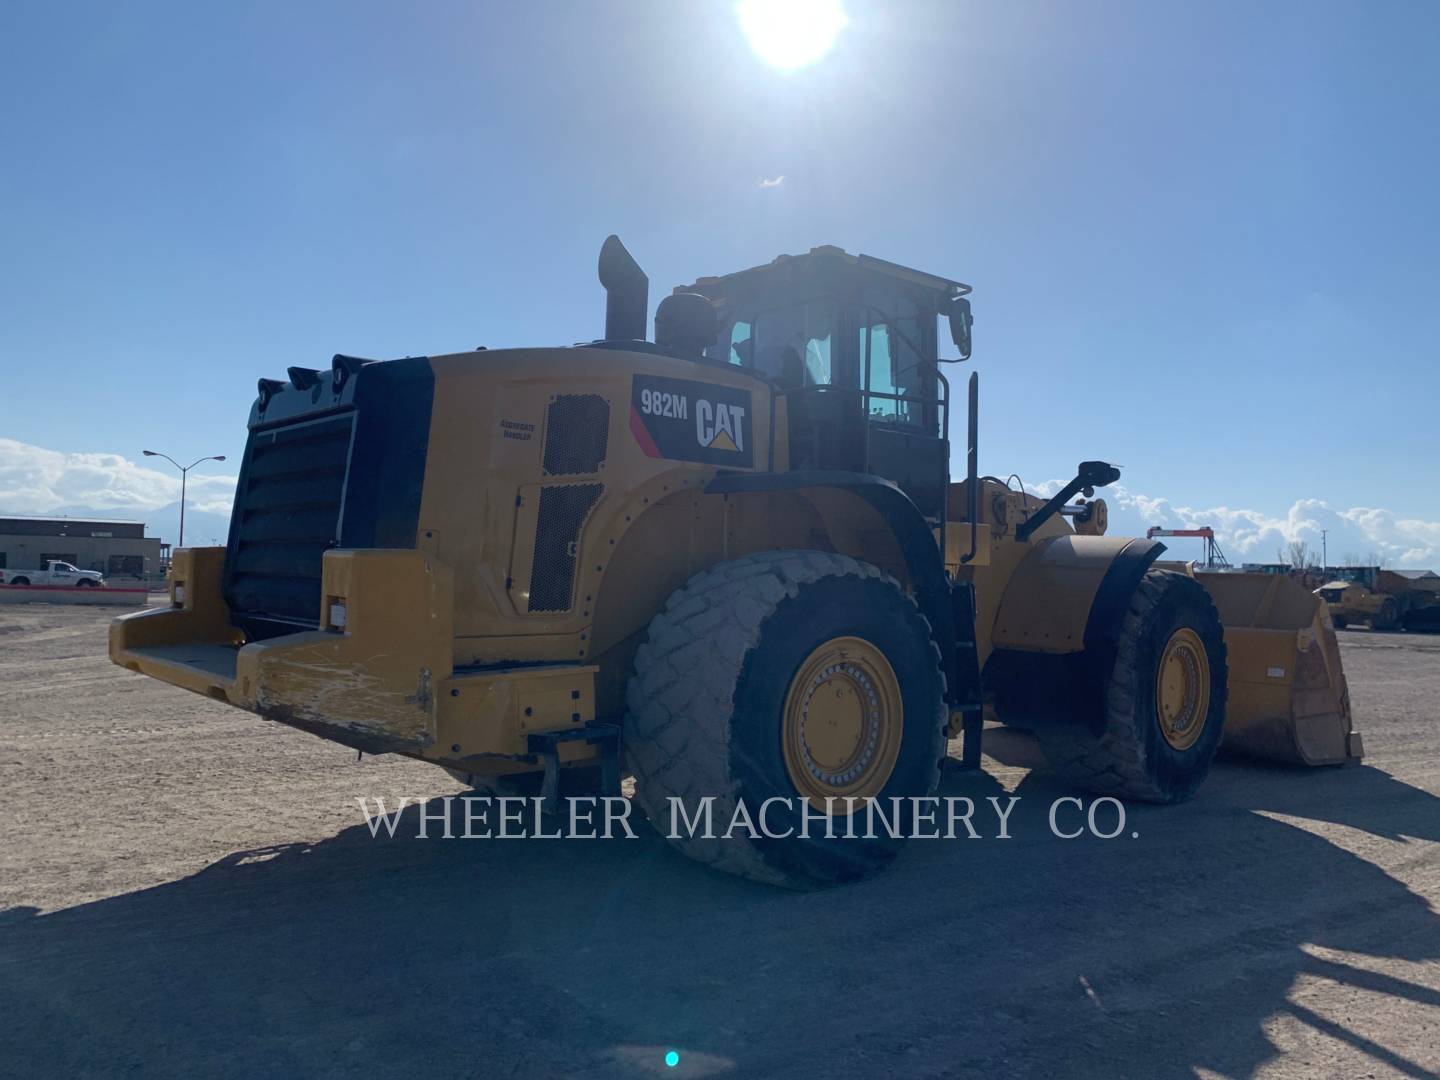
186 889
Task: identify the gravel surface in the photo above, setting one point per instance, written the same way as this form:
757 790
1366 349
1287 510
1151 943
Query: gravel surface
186 889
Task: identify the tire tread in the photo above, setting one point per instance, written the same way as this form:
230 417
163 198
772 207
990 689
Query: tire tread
682 694
1115 763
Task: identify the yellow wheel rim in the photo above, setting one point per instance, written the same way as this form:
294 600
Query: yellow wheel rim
1182 689
842 722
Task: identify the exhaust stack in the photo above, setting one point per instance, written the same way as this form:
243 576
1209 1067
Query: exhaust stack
627 292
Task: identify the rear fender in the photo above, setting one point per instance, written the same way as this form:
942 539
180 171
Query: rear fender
898 515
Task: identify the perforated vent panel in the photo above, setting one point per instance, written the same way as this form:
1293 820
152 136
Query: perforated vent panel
563 510
577 427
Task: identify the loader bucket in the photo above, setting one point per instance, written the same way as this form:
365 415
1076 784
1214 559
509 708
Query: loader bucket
1288 701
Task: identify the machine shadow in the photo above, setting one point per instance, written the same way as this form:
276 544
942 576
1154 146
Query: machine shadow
1032 955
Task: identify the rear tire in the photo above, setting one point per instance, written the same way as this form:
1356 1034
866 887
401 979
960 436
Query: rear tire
1164 709
1387 616
784 675
20 581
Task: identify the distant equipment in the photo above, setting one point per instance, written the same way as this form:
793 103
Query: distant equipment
1382 599
1214 557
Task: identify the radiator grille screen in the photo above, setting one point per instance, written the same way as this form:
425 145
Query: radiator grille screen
287 513
577 427
563 510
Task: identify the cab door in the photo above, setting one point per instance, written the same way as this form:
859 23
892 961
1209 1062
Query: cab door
904 407
63 574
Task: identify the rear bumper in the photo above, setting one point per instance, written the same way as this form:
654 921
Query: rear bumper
381 681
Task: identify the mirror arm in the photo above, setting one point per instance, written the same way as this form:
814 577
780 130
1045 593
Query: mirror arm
1090 475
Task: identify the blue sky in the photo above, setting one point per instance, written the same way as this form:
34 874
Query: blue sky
1201 236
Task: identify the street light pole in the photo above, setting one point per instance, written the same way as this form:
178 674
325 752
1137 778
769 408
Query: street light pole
184 475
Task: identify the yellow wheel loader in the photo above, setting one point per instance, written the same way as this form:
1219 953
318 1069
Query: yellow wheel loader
728 561
1382 599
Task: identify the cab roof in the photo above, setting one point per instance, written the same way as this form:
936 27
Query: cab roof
829 254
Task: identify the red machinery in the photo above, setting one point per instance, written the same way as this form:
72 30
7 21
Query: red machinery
1213 555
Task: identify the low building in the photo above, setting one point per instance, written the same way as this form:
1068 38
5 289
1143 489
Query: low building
115 548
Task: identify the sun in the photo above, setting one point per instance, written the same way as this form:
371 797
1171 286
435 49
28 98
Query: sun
791 34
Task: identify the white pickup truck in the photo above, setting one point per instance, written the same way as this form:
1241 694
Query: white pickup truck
55 573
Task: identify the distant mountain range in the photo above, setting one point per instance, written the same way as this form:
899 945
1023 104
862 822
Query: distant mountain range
202 529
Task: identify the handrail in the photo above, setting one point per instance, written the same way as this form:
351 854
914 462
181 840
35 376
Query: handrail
972 468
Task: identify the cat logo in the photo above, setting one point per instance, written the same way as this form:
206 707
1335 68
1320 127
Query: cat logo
720 426
685 420
722 441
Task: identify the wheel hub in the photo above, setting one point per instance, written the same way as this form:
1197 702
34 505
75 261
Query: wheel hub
842 722
1182 689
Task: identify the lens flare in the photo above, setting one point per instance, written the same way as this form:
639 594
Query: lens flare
791 34
671 1059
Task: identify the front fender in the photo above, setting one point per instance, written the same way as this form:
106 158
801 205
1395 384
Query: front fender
1055 633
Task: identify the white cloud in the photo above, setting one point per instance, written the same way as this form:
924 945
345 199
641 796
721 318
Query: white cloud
772 183
1247 535
35 480
1256 536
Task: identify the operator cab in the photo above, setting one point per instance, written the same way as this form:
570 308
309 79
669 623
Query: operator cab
851 344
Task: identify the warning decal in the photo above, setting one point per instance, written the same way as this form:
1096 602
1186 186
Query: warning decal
691 421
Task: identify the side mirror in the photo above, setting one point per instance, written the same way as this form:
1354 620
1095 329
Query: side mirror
961 320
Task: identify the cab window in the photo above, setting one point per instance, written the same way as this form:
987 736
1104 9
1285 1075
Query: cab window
736 348
898 379
792 345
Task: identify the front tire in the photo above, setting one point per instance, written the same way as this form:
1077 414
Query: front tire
1164 708
795 676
